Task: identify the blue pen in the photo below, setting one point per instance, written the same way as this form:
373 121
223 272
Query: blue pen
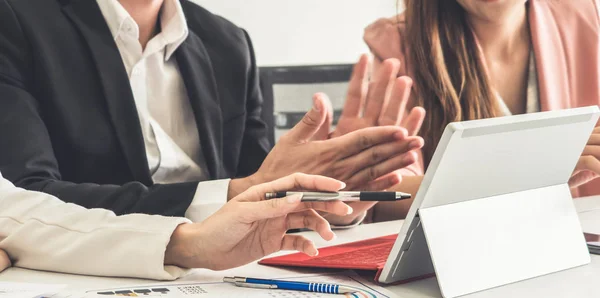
258 283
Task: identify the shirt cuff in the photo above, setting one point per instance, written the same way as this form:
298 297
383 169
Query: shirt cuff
210 196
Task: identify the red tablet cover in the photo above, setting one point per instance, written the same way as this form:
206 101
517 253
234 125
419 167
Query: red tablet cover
370 254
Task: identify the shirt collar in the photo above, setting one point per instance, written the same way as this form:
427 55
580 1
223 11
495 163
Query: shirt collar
174 26
174 29
117 17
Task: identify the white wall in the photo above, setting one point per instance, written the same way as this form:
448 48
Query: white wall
301 32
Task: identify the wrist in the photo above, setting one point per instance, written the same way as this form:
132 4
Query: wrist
240 185
184 247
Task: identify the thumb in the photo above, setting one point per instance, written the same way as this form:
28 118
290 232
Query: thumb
274 208
310 123
323 132
4 260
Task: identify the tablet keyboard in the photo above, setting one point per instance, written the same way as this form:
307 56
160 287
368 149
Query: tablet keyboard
368 255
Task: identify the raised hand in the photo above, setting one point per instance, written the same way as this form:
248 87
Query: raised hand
356 158
382 101
248 228
588 167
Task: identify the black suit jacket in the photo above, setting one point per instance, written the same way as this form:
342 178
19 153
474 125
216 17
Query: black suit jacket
68 121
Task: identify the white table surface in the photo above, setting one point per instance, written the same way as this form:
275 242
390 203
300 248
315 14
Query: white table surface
578 282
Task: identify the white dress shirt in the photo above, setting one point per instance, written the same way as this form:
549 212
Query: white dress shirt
169 127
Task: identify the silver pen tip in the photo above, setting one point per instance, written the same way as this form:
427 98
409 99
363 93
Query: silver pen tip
401 195
346 290
234 279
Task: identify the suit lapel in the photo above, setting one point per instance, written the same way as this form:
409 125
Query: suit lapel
89 20
549 51
196 70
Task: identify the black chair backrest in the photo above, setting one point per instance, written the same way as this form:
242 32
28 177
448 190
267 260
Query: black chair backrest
287 92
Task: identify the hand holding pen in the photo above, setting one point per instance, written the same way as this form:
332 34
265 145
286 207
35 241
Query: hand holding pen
363 200
345 196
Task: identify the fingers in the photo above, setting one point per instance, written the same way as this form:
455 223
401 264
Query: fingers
311 220
587 169
581 178
357 88
334 207
414 121
323 131
4 260
394 110
257 208
373 172
299 243
381 153
594 139
363 139
588 163
359 210
299 181
310 123
593 150
380 90
249 212
383 183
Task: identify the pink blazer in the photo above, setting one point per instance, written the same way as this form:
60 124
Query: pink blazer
566 43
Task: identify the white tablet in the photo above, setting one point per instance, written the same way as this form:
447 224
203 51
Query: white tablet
494 206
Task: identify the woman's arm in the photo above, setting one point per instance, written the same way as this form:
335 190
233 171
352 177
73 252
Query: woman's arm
386 41
41 232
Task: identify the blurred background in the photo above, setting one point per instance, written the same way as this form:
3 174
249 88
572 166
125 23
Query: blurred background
303 47
307 32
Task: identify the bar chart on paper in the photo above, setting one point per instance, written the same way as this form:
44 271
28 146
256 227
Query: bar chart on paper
26 289
220 289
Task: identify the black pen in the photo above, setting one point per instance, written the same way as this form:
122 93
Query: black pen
346 196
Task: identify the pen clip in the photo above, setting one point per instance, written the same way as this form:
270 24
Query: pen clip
255 286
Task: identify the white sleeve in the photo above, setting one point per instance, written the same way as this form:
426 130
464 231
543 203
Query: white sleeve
38 231
210 196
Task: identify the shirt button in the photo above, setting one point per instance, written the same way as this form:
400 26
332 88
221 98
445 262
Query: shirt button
128 29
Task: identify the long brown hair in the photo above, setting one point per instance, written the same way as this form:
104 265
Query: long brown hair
449 75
